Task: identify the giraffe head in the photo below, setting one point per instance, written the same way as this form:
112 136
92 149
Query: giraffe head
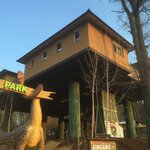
20 77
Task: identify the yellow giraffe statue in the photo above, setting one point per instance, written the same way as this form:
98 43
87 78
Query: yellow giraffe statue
31 133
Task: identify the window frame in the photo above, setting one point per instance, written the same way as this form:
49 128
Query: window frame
118 49
44 57
31 63
58 49
76 39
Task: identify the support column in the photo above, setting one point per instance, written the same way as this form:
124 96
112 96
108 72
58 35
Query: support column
130 122
5 124
74 110
61 128
44 124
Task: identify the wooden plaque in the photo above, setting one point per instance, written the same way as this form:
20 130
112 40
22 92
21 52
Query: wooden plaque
102 145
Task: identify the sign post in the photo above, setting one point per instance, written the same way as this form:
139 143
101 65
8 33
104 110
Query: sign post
17 88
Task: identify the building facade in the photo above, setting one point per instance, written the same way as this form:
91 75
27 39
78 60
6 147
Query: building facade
56 63
86 32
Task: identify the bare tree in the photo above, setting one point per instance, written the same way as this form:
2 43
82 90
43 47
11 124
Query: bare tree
93 76
138 14
100 74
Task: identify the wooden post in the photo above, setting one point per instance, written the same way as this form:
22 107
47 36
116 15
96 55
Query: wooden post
61 128
7 113
130 122
44 124
74 110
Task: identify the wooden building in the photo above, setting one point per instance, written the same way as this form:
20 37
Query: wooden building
8 75
56 63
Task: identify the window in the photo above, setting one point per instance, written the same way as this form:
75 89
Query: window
44 55
118 49
58 46
76 36
31 63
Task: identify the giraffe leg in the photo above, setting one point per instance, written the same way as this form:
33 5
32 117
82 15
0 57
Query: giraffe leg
22 143
21 147
41 145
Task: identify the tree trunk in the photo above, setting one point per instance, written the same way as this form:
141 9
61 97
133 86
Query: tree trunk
130 122
142 55
144 72
93 114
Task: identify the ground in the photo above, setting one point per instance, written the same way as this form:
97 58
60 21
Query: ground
134 144
122 144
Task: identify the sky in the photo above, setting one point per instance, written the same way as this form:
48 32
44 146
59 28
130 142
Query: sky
24 24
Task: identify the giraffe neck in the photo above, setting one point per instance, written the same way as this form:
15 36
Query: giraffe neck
36 114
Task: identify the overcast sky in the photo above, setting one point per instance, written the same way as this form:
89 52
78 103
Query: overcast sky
24 24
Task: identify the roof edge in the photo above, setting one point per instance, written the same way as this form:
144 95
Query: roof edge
5 71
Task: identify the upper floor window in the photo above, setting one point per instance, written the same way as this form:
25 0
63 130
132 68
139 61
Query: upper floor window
58 46
118 49
76 35
44 55
31 63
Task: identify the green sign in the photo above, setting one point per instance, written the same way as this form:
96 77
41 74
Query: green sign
15 87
